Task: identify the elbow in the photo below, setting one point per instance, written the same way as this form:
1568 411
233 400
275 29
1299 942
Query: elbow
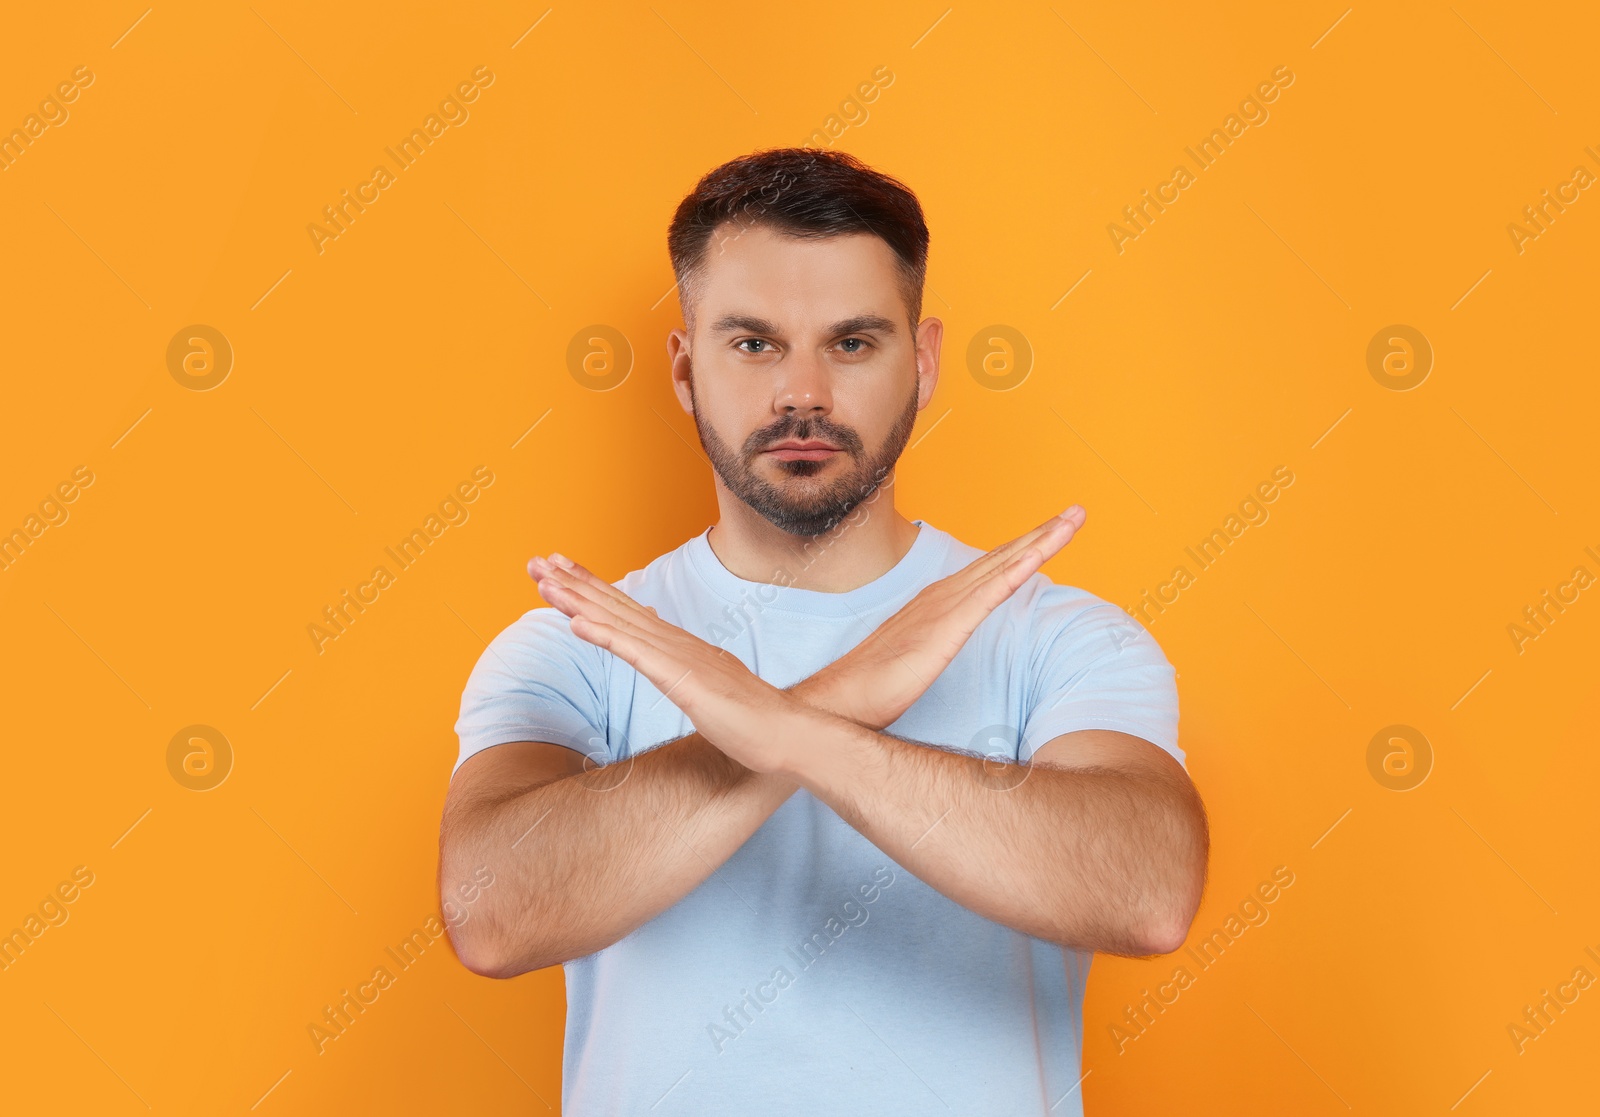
1166 929
485 956
1165 936
478 953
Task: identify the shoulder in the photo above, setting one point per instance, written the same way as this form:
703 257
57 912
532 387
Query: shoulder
541 638
1090 625
1055 615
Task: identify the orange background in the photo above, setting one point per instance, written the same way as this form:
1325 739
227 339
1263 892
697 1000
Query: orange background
368 379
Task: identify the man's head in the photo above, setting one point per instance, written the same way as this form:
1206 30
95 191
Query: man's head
800 274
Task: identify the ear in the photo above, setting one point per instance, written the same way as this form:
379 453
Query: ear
680 368
930 338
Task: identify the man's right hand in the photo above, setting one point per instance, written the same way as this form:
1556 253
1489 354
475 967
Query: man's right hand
879 680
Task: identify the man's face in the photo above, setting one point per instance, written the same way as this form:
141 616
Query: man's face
804 340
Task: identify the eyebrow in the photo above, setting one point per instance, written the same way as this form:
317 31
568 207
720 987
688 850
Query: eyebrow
860 324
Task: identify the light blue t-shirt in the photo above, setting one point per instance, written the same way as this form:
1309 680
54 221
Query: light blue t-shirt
811 973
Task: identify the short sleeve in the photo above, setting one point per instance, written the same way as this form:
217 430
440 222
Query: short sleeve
1095 667
535 681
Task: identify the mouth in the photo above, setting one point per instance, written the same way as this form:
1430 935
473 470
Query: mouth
811 450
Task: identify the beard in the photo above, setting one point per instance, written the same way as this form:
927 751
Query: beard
795 503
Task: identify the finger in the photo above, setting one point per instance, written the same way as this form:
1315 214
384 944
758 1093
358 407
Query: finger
573 603
584 582
641 622
993 562
1055 535
986 594
664 671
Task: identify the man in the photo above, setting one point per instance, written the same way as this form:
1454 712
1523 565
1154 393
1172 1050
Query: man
824 808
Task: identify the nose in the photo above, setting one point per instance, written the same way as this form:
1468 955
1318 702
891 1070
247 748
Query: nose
802 388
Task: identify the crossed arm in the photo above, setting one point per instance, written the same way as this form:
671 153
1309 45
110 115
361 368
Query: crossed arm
1099 844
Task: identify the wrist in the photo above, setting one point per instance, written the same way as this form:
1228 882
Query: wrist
812 746
829 690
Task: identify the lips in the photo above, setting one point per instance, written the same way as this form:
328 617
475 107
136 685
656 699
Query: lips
811 450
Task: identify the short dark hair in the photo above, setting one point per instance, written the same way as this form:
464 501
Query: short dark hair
803 192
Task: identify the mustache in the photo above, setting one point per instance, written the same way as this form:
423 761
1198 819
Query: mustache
802 429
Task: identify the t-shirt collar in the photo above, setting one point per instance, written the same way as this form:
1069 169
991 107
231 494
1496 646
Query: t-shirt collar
904 577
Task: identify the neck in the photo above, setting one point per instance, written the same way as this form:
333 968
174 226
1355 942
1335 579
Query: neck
862 547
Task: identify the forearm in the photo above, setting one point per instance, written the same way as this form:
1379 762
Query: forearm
581 861
1097 859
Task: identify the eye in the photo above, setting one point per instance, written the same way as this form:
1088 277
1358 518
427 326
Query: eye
752 341
859 342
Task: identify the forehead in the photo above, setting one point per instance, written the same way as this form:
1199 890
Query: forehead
799 278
